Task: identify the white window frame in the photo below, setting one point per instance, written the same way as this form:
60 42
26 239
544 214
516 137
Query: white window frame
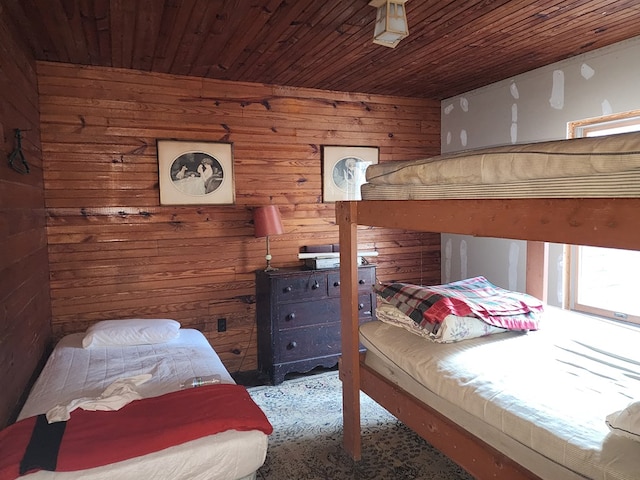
615 123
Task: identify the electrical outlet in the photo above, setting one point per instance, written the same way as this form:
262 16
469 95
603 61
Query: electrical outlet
222 324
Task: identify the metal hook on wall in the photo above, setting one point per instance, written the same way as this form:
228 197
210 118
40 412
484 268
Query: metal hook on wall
17 156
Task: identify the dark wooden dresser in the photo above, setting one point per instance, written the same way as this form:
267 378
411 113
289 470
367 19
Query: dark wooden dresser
298 314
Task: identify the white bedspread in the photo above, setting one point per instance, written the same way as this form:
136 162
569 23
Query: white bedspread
73 372
549 390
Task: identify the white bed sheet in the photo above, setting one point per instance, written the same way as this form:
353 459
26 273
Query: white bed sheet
540 397
73 372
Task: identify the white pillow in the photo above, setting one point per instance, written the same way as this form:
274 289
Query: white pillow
133 331
452 329
626 422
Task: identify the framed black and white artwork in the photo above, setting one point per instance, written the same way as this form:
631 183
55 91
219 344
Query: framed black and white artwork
195 172
343 171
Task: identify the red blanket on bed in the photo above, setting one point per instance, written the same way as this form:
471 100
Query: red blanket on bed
91 439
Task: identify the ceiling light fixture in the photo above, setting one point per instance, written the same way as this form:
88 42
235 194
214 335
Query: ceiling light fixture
391 22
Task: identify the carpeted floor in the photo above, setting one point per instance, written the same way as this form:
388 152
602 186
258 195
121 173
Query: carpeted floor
306 414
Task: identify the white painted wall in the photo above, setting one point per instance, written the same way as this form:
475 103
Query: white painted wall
534 106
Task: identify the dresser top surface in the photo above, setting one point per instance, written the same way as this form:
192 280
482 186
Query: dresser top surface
289 271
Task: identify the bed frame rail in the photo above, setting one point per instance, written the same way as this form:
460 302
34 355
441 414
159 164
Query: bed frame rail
610 222
475 456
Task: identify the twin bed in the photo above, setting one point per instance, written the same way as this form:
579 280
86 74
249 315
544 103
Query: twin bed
223 433
509 405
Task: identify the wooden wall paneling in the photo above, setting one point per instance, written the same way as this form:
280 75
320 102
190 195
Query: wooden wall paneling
268 41
25 329
223 24
240 343
116 253
310 45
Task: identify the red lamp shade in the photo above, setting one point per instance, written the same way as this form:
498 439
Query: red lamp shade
267 221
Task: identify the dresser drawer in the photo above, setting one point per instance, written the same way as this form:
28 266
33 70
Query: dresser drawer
298 287
366 306
366 279
299 343
300 314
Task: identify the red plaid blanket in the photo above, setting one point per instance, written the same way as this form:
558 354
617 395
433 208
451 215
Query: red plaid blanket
473 297
91 439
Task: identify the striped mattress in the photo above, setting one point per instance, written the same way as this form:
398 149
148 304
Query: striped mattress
597 167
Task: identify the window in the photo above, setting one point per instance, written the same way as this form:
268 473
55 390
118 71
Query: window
603 281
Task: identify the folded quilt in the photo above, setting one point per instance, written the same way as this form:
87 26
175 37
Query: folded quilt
95 438
473 297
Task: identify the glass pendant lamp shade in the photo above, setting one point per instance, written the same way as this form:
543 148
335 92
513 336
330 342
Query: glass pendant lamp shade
391 22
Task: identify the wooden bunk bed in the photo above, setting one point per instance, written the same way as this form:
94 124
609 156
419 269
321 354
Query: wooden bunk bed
604 221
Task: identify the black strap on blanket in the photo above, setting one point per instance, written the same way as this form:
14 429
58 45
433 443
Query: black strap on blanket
42 451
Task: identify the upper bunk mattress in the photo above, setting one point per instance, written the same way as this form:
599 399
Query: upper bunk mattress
606 166
549 390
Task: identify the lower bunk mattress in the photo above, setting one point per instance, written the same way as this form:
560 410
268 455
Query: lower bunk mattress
541 397
73 372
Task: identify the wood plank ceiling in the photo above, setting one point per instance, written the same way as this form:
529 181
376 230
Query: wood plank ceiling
454 46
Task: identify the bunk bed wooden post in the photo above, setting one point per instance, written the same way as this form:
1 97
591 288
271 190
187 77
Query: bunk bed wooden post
346 215
537 275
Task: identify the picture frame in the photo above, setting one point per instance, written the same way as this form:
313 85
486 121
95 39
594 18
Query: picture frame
195 172
343 171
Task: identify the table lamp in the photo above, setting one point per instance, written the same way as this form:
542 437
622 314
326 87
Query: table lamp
267 222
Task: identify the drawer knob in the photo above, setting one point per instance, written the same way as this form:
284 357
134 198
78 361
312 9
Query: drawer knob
315 285
360 306
361 282
292 345
291 316
288 289
336 284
